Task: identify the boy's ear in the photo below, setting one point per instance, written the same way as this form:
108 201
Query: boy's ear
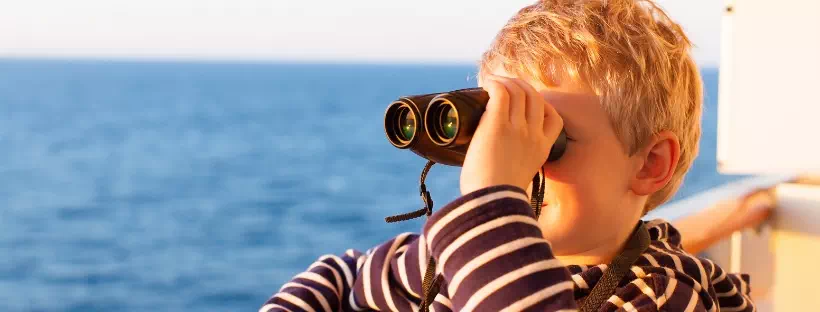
657 159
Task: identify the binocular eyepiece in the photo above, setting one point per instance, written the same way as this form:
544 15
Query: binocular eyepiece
439 126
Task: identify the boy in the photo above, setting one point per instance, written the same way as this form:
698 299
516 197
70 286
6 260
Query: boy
618 77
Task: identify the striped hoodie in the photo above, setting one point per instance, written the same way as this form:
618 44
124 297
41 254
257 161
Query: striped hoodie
493 257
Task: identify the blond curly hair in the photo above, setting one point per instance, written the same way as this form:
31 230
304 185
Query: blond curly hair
629 52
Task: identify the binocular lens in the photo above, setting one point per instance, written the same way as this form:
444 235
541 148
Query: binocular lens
406 123
439 126
448 121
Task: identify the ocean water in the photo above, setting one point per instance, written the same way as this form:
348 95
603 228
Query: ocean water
137 186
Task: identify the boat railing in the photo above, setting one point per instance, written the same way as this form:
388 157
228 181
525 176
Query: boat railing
778 251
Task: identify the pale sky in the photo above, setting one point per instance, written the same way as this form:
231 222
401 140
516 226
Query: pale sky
297 30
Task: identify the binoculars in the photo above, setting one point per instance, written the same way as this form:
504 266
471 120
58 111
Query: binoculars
439 126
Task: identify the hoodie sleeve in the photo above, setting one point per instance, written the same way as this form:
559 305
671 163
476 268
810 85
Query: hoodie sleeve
492 254
322 287
384 278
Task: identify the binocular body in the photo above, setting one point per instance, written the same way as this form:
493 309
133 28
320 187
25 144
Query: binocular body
439 126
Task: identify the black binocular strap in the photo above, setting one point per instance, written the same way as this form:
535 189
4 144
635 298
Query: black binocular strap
619 266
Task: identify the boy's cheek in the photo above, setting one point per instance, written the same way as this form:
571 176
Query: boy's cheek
583 199
582 159
566 168
582 175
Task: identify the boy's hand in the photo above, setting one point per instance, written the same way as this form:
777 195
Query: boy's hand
513 138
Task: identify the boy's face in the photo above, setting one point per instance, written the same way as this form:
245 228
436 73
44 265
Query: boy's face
587 201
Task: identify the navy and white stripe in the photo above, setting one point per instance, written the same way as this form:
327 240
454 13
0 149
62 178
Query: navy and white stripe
493 257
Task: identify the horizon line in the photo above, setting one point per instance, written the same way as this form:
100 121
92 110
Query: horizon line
247 60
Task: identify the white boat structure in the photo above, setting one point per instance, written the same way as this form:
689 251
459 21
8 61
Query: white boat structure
768 127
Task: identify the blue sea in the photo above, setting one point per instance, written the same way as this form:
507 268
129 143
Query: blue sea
170 186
